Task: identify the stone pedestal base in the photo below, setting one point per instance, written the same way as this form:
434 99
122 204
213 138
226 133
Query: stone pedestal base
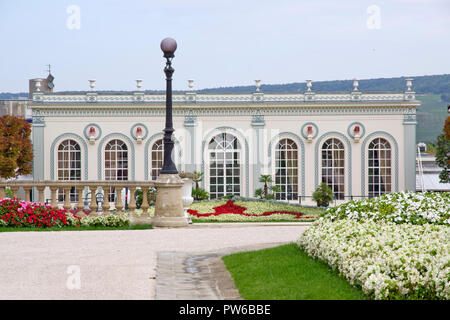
144 219
169 204
169 222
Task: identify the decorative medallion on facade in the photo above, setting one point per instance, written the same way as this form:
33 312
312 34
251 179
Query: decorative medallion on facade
356 131
309 131
139 132
92 132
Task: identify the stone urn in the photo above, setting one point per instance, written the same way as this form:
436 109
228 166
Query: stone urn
186 192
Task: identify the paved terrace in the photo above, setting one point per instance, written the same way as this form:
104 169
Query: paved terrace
137 264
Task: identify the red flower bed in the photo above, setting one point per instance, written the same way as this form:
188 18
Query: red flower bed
232 208
18 213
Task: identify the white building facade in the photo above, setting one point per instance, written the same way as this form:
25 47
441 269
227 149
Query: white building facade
361 144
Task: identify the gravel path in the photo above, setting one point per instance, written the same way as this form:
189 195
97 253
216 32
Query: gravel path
117 264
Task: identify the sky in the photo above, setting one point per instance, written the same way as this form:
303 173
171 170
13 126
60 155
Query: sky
220 42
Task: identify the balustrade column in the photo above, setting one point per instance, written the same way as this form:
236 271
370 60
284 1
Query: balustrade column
2 192
93 204
54 202
106 205
80 204
144 205
67 205
132 204
27 190
41 193
119 203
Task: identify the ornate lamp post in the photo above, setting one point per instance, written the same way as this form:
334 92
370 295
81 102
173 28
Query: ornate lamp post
169 204
168 46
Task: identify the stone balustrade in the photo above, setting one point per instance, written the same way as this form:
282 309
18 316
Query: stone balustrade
43 188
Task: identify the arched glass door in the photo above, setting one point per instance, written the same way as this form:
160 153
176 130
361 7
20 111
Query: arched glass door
224 152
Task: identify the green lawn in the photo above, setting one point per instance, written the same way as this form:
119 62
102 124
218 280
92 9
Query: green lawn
287 273
133 227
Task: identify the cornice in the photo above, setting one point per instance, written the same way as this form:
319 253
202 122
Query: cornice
232 110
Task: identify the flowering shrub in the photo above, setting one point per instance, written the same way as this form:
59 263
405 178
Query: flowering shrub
400 207
112 220
18 213
245 211
388 260
394 247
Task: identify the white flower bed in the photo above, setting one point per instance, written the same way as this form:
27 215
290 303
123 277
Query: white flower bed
388 260
112 220
395 246
400 207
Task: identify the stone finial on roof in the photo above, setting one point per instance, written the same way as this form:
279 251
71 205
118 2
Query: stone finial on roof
355 84
258 85
409 84
308 85
191 84
138 84
92 84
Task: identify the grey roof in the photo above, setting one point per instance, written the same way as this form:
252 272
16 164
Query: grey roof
431 183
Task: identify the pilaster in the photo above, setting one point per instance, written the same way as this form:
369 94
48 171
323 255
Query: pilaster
258 124
190 124
409 142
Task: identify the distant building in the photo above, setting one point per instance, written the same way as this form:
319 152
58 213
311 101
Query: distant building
21 107
17 108
40 84
427 174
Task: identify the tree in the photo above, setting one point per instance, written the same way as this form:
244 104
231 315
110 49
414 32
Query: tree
447 128
259 193
197 179
443 153
323 195
16 150
199 193
265 178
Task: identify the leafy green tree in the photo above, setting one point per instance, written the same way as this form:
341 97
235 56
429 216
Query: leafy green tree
16 150
323 195
264 193
259 193
200 194
447 128
198 178
443 153
431 148
266 179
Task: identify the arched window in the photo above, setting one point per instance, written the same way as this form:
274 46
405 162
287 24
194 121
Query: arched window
379 167
116 163
224 152
69 166
333 166
157 156
286 169
116 160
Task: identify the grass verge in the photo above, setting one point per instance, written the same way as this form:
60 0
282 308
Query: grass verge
287 273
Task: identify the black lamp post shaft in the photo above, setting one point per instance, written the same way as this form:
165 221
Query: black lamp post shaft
168 165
